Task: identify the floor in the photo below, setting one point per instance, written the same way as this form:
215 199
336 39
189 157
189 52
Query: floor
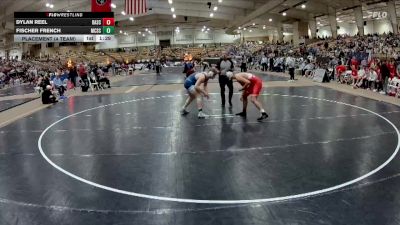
8 104
323 157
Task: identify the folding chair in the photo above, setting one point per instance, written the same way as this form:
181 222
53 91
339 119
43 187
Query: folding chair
93 84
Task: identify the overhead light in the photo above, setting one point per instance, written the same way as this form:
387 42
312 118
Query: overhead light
120 31
174 16
51 6
264 27
131 19
319 23
202 30
47 4
284 14
245 28
211 14
270 20
143 35
204 27
303 6
177 28
147 29
208 29
113 6
139 32
123 13
170 2
126 33
172 9
239 28
68 10
250 31
219 1
337 19
254 24
215 8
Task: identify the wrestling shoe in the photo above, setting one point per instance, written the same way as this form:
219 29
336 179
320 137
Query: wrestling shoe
263 117
184 112
202 115
242 114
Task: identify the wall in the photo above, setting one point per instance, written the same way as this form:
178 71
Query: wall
184 37
2 54
15 52
373 26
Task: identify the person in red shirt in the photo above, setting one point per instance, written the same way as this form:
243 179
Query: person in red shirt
354 64
82 70
340 69
392 68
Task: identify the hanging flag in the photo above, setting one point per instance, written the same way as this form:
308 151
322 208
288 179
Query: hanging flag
101 5
135 7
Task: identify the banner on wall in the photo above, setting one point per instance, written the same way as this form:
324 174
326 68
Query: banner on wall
101 5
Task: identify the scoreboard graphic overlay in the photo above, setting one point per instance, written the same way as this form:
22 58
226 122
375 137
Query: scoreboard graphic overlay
64 26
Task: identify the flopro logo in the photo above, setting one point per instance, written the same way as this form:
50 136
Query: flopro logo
379 15
101 2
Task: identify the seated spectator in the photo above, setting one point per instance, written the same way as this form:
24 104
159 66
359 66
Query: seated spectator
340 70
308 69
361 77
47 96
59 85
373 76
102 78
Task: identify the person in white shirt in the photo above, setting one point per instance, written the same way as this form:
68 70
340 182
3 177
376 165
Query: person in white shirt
264 63
373 76
361 76
290 63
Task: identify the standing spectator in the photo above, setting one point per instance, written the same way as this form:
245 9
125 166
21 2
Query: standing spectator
158 66
264 63
271 62
73 75
224 66
290 65
385 72
243 66
392 68
250 62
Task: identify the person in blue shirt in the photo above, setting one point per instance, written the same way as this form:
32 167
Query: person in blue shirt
193 85
58 83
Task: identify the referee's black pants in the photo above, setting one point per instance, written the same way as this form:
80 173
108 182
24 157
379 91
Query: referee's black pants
225 81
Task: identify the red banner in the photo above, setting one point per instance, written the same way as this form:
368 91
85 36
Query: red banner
101 5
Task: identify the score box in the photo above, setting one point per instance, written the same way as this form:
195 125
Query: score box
108 22
108 30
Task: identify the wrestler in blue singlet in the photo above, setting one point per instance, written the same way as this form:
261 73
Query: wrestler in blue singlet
190 81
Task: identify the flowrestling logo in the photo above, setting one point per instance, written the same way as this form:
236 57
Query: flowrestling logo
379 15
